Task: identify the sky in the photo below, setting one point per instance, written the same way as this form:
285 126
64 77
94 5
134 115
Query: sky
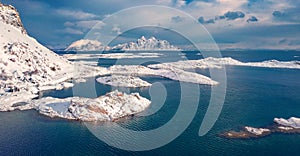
234 24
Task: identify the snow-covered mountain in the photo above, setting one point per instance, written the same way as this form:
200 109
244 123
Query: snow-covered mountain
10 15
144 44
25 63
86 45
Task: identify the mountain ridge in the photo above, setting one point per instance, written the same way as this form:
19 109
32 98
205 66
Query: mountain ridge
141 44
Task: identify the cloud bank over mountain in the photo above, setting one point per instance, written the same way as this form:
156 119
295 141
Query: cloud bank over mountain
58 23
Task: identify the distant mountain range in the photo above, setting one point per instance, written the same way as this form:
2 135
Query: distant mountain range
142 44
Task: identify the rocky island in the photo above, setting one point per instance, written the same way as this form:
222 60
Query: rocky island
286 126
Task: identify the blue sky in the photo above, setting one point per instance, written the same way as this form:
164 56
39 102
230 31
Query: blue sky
242 24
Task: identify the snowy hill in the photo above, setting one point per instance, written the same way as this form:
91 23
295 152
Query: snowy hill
143 44
25 63
86 45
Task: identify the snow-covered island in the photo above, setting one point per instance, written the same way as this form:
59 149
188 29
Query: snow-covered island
142 44
123 81
292 122
170 73
257 131
286 126
109 107
246 133
211 62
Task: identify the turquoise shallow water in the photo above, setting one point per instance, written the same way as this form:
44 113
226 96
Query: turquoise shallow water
254 97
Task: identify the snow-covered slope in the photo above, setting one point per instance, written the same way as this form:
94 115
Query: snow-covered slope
143 44
86 45
10 15
24 62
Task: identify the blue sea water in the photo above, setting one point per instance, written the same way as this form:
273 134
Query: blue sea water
254 97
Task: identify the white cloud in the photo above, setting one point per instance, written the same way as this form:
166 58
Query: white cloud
180 3
80 15
81 21
261 43
116 29
72 31
83 26
211 9
164 2
106 15
89 24
68 24
227 5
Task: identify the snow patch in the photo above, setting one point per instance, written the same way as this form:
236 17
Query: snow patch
257 131
86 45
291 122
123 81
18 100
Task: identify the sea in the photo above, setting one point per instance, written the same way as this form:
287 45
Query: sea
254 97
